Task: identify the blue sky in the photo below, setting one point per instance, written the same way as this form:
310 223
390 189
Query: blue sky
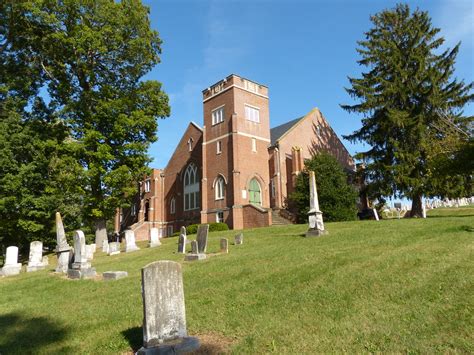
302 50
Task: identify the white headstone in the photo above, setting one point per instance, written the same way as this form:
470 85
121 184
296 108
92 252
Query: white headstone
11 266
35 261
114 248
81 268
105 246
154 238
315 216
130 244
376 215
89 251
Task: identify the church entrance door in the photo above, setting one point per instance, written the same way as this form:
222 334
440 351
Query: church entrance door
255 193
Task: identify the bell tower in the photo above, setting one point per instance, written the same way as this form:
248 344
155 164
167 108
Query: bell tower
235 151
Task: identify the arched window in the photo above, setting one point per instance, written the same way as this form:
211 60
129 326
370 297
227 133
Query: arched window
255 192
220 188
191 188
173 206
190 144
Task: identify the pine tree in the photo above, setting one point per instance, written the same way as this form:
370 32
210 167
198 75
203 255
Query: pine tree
411 105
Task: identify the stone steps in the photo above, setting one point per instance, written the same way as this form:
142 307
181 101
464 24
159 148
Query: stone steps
278 220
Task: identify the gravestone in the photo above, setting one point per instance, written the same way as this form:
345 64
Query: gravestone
164 314
423 210
94 248
154 238
224 245
63 250
130 244
182 241
89 252
195 254
11 266
80 268
114 275
239 239
202 233
35 260
376 215
114 248
315 216
45 260
105 246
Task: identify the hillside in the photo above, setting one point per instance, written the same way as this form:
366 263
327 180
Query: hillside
389 286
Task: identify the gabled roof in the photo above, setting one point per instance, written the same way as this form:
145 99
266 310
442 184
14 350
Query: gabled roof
277 132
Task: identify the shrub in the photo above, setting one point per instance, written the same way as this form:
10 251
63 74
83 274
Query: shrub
216 227
337 198
192 229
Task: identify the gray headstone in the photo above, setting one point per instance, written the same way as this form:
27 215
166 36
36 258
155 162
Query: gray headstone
164 316
239 239
202 233
114 275
154 238
194 247
130 244
224 245
63 250
35 260
81 268
114 248
11 266
182 243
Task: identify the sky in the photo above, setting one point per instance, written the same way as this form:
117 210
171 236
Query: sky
304 51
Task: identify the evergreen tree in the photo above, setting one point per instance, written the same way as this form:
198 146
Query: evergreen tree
411 105
92 56
337 198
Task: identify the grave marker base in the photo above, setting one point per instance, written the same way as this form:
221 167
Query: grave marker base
81 274
10 270
114 275
316 233
192 257
177 346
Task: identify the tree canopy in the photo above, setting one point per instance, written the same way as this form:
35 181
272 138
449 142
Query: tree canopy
72 74
412 107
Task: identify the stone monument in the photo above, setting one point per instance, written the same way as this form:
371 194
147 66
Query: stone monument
202 233
164 314
130 244
182 241
11 266
154 238
90 251
113 248
81 268
105 246
376 215
35 260
62 247
315 216
239 239
195 254
224 245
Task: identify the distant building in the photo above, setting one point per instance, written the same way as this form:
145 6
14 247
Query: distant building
234 169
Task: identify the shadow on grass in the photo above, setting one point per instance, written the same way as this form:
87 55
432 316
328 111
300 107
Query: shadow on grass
134 337
20 334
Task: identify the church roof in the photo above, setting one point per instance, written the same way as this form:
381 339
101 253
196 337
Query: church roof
277 132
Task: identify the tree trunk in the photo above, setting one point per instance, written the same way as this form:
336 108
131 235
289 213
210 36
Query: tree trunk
417 206
100 232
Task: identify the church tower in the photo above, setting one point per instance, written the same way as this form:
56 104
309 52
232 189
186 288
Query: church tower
235 183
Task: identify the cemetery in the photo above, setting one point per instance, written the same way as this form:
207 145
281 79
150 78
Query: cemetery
275 292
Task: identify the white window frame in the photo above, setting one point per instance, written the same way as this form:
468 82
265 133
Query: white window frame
147 185
254 145
191 188
217 115
173 206
220 219
252 113
218 147
219 188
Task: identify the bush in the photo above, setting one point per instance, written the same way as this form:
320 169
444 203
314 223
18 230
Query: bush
192 229
216 227
337 198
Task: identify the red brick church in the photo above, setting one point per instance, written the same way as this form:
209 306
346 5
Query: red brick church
233 169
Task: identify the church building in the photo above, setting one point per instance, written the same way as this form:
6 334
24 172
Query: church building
232 169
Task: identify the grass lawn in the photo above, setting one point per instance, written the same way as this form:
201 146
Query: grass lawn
390 286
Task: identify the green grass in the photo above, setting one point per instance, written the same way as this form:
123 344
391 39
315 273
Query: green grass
390 286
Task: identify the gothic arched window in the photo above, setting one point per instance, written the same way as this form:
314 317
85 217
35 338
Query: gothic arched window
191 188
220 188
